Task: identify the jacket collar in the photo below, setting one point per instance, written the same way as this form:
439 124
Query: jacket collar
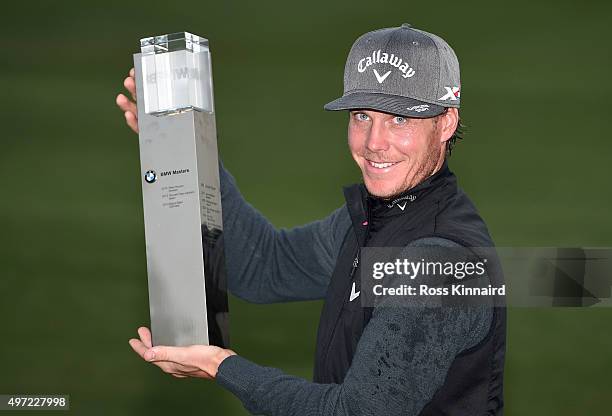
368 210
398 204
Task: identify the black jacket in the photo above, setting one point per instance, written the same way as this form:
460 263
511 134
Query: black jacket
437 207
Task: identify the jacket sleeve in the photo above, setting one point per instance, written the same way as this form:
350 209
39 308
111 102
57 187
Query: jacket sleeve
267 265
401 360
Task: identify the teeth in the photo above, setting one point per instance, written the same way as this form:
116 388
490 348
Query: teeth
381 165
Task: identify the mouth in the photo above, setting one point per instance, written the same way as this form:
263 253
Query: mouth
380 165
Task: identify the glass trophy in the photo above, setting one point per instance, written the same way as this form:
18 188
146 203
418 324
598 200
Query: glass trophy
181 191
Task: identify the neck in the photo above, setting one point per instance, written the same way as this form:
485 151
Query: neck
441 164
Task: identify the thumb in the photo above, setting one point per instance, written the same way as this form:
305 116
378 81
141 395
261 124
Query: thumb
173 354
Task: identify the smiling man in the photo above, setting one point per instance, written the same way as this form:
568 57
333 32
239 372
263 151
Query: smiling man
401 88
395 153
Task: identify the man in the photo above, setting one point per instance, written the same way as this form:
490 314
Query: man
401 87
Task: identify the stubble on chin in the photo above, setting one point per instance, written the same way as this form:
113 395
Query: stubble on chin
415 176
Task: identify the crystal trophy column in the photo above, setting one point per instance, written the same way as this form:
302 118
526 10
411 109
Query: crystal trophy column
181 192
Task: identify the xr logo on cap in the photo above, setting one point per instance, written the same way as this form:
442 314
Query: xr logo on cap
452 93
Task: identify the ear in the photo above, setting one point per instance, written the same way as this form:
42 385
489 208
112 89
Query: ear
447 123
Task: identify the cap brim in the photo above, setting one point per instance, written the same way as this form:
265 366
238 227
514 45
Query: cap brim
393 104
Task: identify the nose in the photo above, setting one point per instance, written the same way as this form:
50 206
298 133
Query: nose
377 140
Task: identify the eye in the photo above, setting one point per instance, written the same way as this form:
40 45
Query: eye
400 120
361 116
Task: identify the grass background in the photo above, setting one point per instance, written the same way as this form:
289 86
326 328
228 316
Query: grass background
535 91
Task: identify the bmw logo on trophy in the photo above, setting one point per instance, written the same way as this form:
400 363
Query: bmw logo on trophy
150 176
181 192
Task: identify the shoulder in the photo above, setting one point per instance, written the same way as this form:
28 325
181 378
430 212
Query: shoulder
459 214
434 241
338 224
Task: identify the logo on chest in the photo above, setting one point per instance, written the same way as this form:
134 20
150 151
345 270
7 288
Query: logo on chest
354 293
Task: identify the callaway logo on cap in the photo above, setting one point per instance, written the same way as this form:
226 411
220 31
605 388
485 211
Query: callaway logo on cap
400 70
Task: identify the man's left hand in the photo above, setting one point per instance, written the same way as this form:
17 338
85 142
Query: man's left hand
193 361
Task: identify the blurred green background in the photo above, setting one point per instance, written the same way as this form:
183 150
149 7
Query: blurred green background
535 91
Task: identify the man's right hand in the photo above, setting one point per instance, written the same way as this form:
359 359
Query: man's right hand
128 106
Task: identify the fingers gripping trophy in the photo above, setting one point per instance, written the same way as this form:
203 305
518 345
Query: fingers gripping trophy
175 121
